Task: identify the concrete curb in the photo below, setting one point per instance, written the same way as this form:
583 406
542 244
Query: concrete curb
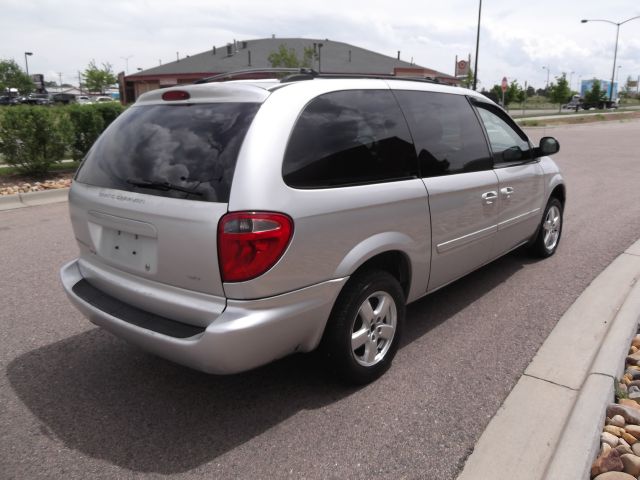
31 199
549 425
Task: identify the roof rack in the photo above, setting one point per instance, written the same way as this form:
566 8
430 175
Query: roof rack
239 73
375 76
298 74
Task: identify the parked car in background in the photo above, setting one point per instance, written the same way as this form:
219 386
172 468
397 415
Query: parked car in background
9 101
229 224
102 99
37 99
64 98
83 100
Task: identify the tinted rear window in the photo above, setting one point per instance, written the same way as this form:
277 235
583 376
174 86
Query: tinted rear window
349 138
447 134
193 148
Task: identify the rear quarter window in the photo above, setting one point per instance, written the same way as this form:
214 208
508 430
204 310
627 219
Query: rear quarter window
191 147
349 138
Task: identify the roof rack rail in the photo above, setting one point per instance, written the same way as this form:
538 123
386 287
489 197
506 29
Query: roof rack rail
375 76
238 73
297 74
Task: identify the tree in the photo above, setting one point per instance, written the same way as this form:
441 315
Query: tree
560 91
630 87
531 91
12 76
596 94
514 93
97 79
467 81
287 57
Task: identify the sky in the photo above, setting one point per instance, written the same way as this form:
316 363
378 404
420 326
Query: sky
517 39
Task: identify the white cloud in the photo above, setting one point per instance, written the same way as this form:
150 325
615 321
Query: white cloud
516 39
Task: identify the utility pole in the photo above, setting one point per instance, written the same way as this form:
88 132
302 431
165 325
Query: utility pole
475 68
60 84
79 82
126 60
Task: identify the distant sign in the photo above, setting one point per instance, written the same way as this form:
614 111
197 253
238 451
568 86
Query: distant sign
463 67
38 81
505 84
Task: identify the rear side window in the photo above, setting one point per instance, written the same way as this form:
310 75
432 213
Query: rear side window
178 151
349 138
446 131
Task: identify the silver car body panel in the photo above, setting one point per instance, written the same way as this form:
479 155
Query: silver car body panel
464 224
365 216
174 240
521 200
444 227
246 335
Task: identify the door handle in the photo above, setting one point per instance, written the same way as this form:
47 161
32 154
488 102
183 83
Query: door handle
506 191
489 197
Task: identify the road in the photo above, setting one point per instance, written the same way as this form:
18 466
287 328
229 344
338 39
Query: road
76 402
518 112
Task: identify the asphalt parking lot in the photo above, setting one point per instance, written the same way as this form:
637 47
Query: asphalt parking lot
79 403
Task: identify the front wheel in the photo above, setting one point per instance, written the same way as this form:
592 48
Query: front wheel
548 238
364 329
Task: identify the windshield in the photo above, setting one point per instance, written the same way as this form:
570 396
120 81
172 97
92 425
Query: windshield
192 148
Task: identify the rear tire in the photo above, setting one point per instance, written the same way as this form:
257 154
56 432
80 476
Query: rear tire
363 332
550 231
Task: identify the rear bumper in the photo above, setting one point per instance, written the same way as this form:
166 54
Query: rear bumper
246 335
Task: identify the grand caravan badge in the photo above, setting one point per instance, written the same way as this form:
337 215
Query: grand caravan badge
120 197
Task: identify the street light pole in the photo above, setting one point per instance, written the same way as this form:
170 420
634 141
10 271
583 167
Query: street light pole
570 80
475 68
26 63
615 51
546 88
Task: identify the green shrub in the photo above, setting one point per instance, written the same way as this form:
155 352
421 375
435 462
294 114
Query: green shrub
32 138
88 124
108 110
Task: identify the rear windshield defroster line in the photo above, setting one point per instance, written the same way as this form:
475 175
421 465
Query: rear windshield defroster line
181 151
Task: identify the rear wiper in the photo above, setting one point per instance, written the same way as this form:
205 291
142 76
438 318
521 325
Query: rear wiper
163 186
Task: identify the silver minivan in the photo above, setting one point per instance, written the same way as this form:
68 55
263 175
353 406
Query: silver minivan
228 224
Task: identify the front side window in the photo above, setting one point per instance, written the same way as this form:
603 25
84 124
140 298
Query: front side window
447 134
178 151
349 138
509 145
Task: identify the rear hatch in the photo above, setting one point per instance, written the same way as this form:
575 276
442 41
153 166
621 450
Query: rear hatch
147 198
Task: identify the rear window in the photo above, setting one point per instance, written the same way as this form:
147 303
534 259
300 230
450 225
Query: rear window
178 151
350 137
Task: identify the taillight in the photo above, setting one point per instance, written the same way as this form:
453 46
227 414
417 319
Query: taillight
250 243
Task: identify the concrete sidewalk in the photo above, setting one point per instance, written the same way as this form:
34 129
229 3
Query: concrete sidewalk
549 426
21 200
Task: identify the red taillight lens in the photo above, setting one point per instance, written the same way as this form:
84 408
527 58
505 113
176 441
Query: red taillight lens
175 95
250 243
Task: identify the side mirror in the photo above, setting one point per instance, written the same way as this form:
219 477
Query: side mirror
548 146
512 154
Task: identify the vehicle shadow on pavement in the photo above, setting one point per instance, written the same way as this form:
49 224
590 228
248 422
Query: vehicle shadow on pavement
111 401
434 309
